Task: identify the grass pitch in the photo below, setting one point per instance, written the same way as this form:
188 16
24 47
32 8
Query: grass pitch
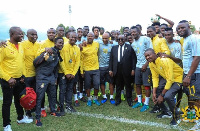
112 118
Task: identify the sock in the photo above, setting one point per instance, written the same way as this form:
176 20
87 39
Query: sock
42 108
95 98
89 99
139 98
146 100
122 91
81 95
75 97
104 96
111 96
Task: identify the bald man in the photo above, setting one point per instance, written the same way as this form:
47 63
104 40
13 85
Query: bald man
104 57
12 80
29 48
90 68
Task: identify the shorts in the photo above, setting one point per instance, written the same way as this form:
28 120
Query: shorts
104 75
92 77
143 78
193 91
175 87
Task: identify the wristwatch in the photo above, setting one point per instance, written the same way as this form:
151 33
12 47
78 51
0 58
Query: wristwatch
163 95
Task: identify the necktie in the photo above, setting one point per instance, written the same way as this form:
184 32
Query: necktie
120 53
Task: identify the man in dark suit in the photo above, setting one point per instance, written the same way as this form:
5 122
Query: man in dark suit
122 66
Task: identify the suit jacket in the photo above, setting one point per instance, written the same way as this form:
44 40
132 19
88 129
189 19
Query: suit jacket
128 62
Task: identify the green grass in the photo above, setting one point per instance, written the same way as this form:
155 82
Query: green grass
72 122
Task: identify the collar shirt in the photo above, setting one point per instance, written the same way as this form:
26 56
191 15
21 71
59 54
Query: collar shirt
119 51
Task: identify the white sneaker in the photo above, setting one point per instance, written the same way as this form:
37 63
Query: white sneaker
7 128
25 120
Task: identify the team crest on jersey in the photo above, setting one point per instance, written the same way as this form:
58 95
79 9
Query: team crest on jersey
42 86
105 51
138 50
63 77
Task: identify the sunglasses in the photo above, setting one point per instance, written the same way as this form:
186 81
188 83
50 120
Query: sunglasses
120 39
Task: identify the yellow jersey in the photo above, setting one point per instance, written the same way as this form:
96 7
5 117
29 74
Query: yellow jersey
89 57
11 62
168 69
71 59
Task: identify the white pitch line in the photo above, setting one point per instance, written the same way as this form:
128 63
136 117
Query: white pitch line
130 121
125 120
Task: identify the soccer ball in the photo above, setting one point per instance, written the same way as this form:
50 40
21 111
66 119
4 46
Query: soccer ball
155 19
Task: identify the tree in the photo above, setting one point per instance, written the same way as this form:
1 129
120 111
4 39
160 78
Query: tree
121 30
192 27
61 25
67 28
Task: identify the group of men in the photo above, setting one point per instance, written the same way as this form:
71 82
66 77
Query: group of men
86 59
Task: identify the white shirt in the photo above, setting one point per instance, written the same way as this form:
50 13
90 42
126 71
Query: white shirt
119 51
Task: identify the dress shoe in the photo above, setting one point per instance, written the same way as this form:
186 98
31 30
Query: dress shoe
130 102
117 103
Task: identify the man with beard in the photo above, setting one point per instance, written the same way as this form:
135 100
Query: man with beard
12 80
191 66
90 68
46 66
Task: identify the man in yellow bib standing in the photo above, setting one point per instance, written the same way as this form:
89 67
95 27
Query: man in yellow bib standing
12 81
